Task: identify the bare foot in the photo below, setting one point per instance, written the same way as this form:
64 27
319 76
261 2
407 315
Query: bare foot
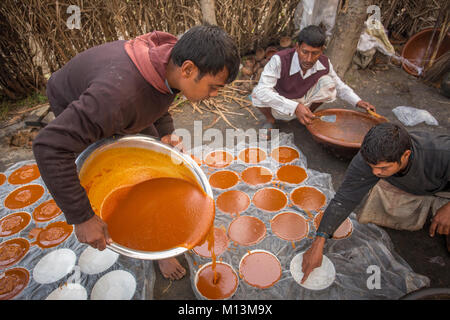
171 269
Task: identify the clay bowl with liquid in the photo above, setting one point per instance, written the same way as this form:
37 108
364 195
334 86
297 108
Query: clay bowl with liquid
89 157
344 136
415 49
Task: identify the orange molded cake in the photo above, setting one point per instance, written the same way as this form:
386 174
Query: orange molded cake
260 269
221 242
252 155
13 282
224 179
225 285
2 178
308 198
256 175
13 223
269 199
46 211
233 202
24 174
12 251
52 235
24 196
284 154
218 159
289 226
246 230
291 174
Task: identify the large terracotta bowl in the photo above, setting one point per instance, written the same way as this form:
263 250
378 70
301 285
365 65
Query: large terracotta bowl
343 137
415 49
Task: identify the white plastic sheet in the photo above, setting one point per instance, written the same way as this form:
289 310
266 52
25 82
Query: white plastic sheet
142 270
367 251
411 116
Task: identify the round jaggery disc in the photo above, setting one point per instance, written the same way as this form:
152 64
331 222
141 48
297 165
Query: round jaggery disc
233 202
12 251
2 178
284 154
289 226
24 196
246 230
344 230
218 159
226 283
223 179
256 175
260 269
54 234
270 199
252 155
24 174
292 174
13 223
12 282
46 211
308 198
158 214
221 242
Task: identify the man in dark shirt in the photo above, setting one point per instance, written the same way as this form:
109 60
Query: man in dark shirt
409 175
124 87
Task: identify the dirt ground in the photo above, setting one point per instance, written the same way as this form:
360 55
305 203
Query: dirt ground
386 90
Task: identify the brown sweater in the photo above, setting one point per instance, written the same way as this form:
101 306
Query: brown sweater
97 94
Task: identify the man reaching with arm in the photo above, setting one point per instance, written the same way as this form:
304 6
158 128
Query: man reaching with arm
124 87
406 175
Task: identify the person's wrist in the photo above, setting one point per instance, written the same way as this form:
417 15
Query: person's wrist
322 235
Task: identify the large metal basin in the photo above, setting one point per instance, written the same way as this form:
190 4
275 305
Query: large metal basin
145 142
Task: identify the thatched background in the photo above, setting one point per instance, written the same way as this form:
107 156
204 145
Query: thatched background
34 34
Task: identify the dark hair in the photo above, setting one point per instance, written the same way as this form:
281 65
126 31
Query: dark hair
210 48
385 142
313 36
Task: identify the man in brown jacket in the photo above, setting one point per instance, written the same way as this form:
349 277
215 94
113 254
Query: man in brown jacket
125 87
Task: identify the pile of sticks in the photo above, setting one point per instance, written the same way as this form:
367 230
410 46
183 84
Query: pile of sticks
404 18
220 105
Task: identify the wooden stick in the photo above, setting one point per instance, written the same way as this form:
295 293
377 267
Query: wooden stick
30 109
213 123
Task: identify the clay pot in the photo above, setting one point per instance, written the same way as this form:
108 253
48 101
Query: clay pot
246 71
249 62
270 51
260 53
285 42
415 49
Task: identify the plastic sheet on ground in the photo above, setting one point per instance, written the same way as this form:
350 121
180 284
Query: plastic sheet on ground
358 260
142 270
410 116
